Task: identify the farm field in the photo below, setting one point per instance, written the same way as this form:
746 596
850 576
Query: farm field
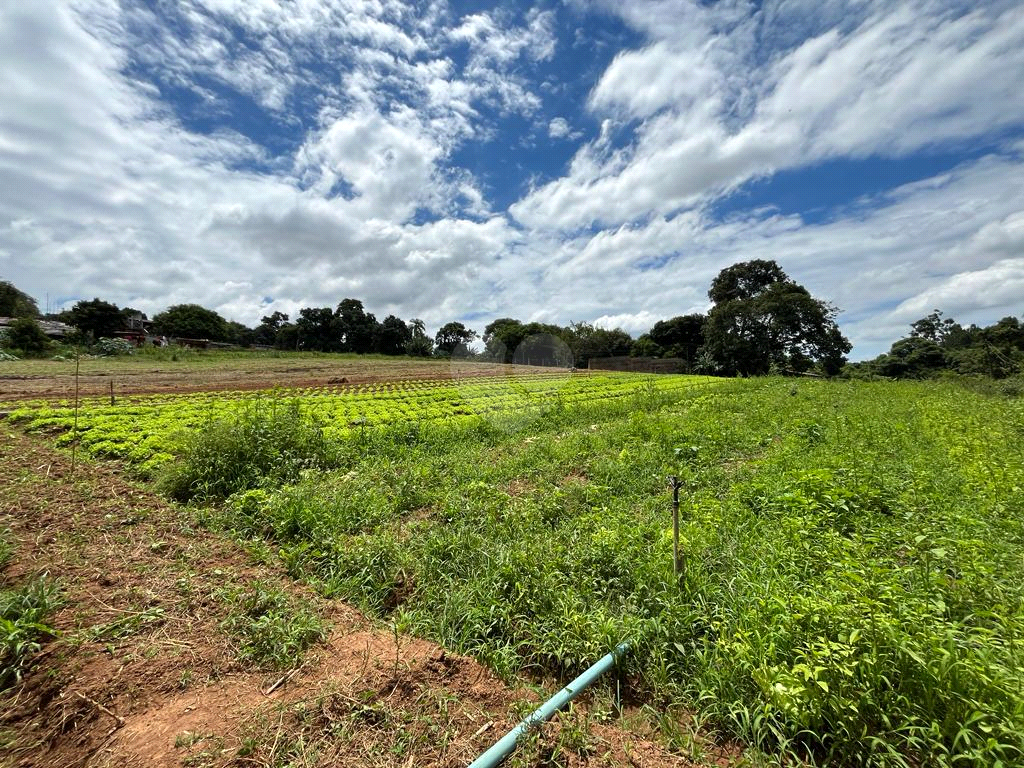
853 590
183 370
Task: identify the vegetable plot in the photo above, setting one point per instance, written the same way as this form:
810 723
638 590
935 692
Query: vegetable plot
144 430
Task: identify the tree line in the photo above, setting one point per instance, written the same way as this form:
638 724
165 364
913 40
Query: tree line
760 321
938 344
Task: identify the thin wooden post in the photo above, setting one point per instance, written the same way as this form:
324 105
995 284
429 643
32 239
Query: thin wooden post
74 444
111 391
677 563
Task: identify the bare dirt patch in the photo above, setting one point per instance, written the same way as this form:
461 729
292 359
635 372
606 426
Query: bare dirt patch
144 673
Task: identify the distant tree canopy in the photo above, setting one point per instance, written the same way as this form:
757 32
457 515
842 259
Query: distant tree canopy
761 319
450 335
937 344
393 337
419 344
511 341
15 303
356 329
680 337
96 319
191 321
588 341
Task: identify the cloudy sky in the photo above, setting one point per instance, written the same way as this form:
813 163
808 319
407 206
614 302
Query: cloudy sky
560 161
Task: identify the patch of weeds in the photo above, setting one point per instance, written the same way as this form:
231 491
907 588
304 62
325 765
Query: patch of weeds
6 549
272 629
209 756
273 441
573 738
187 739
22 629
186 679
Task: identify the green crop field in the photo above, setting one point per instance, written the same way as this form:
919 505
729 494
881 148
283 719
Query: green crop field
854 551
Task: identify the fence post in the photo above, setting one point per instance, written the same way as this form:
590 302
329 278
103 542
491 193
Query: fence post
677 560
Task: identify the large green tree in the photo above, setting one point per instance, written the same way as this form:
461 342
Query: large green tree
355 328
266 332
96 318
451 335
316 329
681 336
502 338
761 318
191 321
15 303
393 337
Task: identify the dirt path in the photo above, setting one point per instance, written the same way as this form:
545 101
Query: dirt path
144 673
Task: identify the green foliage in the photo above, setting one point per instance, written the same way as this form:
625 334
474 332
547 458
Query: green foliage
26 335
853 592
22 627
113 347
15 303
854 586
451 335
763 320
95 319
265 442
394 336
936 345
680 337
356 329
419 345
272 629
191 321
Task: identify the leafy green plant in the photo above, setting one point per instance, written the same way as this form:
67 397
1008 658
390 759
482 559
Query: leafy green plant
22 627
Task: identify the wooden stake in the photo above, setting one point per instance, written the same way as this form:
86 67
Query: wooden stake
74 444
677 559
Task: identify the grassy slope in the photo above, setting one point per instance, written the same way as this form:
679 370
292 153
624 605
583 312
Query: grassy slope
854 574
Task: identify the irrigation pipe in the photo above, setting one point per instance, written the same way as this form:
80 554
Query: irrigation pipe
503 748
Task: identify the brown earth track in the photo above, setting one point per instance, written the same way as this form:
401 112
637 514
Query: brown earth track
171 692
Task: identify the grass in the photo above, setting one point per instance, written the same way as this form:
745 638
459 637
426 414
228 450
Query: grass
854 576
200 360
23 611
854 585
272 630
273 443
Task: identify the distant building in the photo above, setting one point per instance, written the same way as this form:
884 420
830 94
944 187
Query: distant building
52 328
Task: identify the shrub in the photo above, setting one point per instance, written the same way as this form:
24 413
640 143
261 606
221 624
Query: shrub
26 334
113 347
264 443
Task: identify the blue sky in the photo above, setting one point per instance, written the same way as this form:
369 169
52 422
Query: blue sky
569 160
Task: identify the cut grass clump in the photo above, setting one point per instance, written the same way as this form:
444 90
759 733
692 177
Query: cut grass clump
264 443
272 630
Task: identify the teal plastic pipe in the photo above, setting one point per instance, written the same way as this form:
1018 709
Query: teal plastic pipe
504 747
